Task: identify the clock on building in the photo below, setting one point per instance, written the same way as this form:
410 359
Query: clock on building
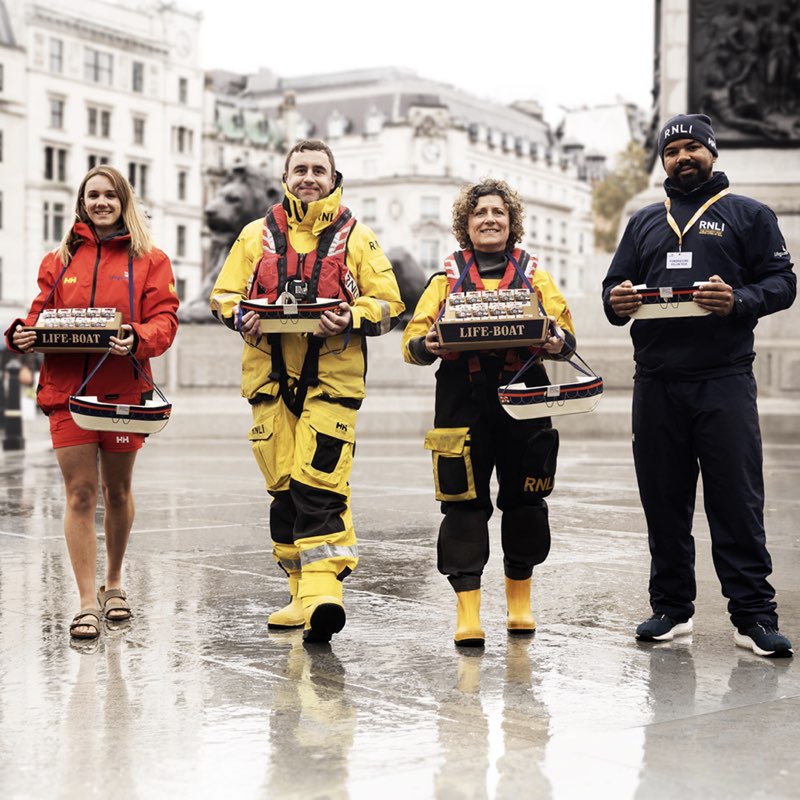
431 151
183 44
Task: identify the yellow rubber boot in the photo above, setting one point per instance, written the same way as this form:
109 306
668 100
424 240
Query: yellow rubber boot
323 610
518 597
468 629
290 616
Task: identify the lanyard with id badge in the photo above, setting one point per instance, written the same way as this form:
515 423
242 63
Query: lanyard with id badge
679 259
664 302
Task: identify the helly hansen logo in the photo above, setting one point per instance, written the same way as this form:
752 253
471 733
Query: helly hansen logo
538 485
711 228
340 426
123 439
71 279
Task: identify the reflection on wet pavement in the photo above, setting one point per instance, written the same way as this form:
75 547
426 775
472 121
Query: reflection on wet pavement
195 698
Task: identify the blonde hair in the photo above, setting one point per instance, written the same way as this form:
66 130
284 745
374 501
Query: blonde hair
467 200
131 213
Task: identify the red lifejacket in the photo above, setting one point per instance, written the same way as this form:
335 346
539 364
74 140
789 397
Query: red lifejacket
323 270
455 265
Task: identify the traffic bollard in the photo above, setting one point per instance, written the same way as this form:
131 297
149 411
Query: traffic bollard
13 439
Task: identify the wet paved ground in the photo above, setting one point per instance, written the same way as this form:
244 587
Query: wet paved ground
194 698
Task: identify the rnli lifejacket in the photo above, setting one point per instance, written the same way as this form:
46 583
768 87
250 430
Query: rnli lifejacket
324 273
323 270
461 279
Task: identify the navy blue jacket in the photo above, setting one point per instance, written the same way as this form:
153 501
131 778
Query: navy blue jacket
745 248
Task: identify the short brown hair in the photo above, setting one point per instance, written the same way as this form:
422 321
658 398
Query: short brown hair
467 200
310 144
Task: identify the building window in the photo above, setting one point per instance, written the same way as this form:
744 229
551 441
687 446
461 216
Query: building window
2 77
180 241
99 122
182 139
137 177
534 229
138 130
95 160
429 254
56 55
53 222
137 77
548 229
563 232
370 209
183 91
56 113
430 208
1 147
97 66
55 164
183 177
180 288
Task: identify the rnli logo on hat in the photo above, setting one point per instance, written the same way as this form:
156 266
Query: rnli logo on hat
712 143
673 130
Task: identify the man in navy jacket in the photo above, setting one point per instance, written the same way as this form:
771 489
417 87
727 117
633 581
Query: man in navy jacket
694 399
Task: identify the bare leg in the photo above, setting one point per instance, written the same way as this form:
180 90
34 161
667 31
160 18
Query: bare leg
116 473
79 470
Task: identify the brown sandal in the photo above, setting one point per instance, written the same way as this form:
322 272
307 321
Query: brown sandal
79 621
114 604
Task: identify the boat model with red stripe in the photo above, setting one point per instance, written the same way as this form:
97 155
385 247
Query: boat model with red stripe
532 402
663 302
92 414
291 316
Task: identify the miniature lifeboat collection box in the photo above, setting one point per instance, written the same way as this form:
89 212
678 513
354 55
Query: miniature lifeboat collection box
290 317
76 330
486 320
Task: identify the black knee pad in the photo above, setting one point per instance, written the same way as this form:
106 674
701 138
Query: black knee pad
463 546
525 534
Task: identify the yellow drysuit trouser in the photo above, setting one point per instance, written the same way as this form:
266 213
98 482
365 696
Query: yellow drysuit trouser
306 464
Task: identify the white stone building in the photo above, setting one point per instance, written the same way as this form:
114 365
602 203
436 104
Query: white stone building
405 145
105 82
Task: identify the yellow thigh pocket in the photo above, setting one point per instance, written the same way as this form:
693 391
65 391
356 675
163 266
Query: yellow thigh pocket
274 459
452 465
329 434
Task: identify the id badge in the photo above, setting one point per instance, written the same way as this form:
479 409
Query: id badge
681 260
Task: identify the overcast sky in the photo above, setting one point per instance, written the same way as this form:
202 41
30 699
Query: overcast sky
561 52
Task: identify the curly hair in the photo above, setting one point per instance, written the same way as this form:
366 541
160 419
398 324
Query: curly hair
467 200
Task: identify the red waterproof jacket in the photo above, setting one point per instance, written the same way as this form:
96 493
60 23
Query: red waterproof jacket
99 275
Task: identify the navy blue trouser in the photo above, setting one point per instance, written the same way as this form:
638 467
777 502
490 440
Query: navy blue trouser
682 429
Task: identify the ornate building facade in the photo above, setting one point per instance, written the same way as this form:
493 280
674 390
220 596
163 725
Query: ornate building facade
405 145
101 82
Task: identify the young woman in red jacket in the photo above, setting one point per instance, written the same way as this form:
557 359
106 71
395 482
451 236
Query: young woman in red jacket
107 259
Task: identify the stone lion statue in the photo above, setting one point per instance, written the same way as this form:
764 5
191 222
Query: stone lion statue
245 195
